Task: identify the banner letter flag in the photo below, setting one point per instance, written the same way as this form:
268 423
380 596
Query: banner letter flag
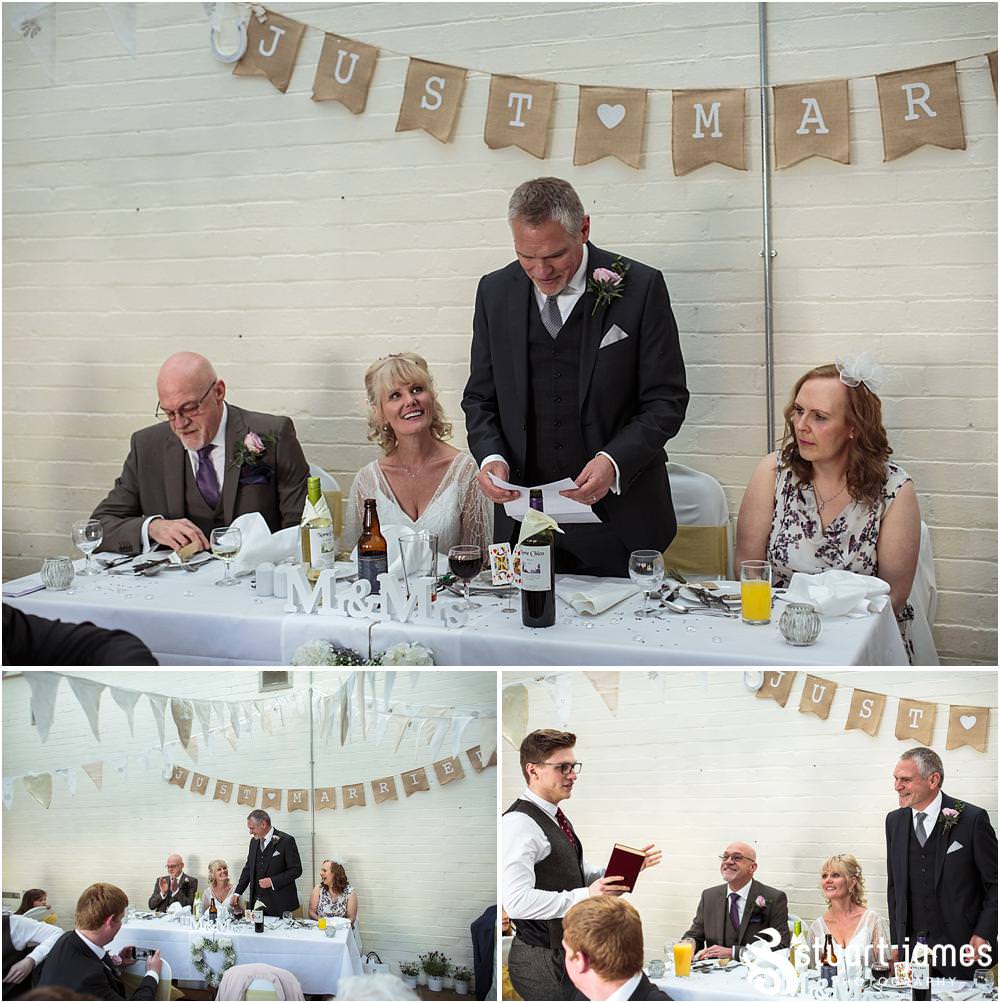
223 791
708 129
817 695
476 759
915 721
967 726
325 798
606 684
183 714
610 122
992 60
89 695
811 120
518 114
39 786
384 789
344 72
448 770
353 794
431 99
272 47
866 712
246 795
415 780
271 799
179 775
514 719
920 107
199 784
298 800
96 773
44 686
776 687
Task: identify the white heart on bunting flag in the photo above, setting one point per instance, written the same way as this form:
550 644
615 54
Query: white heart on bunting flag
44 686
89 694
611 115
968 721
126 699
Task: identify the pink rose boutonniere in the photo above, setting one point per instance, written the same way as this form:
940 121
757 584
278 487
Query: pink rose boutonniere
249 455
952 815
607 284
760 902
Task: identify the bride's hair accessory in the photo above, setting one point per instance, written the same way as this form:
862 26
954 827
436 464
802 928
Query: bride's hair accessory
855 370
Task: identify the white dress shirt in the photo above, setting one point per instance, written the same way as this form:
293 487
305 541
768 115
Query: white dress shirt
524 845
931 811
24 931
741 901
267 839
625 990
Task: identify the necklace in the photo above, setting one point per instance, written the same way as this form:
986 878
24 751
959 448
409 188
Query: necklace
823 502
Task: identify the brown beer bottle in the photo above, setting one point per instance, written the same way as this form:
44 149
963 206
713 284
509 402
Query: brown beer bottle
373 553
828 962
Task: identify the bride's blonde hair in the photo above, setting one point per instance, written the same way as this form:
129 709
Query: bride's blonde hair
847 864
402 367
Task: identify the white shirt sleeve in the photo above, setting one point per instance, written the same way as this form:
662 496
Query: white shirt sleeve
24 931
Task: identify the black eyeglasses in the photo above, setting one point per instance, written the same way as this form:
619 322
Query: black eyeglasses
185 411
734 857
565 768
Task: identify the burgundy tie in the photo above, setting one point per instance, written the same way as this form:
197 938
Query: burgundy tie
564 825
208 483
734 910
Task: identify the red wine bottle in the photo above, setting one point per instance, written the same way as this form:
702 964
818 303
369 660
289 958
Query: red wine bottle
538 580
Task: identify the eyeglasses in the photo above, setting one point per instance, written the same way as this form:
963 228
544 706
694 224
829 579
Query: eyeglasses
565 768
734 857
185 411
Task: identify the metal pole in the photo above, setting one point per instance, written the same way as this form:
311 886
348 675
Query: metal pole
312 781
767 253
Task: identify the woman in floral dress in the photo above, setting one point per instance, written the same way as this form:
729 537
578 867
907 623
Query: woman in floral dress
333 896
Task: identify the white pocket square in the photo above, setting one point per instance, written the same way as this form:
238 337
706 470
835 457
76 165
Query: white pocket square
954 846
615 333
276 854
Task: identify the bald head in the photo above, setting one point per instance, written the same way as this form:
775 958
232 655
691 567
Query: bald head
739 861
187 381
184 368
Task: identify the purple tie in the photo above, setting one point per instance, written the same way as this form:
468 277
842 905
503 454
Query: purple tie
208 483
734 910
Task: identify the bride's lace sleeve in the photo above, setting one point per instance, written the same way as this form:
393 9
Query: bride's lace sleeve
362 487
477 509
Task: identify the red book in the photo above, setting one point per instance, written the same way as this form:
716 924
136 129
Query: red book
626 861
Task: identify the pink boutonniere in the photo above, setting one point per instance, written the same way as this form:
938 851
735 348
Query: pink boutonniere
952 815
607 284
760 901
249 455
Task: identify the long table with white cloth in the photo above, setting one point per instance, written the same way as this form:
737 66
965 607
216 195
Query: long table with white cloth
318 961
185 620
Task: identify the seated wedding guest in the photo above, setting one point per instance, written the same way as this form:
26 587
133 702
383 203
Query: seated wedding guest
26 944
79 961
419 482
730 916
830 497
602 938
203 464
174 886
860 931
334 895
30 899
219 887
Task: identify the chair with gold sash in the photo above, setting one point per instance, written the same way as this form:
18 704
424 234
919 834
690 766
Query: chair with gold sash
701 546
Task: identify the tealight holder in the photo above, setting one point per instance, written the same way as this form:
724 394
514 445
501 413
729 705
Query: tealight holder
800 624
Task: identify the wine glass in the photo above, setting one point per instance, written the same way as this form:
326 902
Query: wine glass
226 542
466 562
87 537
645 568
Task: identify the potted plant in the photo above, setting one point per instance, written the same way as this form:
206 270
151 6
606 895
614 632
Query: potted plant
409 970
435 965
447 981
463 979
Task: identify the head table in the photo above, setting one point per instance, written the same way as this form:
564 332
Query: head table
185 620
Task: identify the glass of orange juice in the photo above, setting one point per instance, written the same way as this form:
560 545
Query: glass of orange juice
755 591
321 922
683 952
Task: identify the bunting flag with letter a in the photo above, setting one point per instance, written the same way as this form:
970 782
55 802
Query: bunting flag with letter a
518 114
344 72
708 129
431 99
272 48
610 122
920 107
811 120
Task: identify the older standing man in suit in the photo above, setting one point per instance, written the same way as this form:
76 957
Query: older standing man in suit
174 886
730 916
203 465
569 381
941 870
272 867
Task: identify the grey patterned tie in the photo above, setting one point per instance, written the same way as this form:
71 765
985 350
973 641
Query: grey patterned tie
551 317
921 831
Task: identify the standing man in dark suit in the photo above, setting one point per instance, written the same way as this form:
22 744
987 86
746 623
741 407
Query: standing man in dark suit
730 916
544 870
79 960
567 380
271 869
203 465
174 886
941 870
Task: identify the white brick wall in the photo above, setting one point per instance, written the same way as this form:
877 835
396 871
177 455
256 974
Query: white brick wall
694 761
424 867
162 203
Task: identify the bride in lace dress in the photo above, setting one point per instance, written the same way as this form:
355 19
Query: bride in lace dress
420 482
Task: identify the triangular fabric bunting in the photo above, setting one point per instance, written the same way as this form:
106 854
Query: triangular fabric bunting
44 686
39 786
89 694
96 773
8 792
36 24
183 714
158 705
122 17
68 777
203 711
126 699
402 732
515 714
459 725
388 680
606 684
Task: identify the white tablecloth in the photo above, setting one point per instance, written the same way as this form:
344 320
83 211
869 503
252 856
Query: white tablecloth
316 960
186 620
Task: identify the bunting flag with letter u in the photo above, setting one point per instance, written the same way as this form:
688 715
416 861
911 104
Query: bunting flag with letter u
344 72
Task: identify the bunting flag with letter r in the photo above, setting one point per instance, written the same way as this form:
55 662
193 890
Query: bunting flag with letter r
920 107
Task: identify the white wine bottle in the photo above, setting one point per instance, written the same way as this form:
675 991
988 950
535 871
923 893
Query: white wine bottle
319 545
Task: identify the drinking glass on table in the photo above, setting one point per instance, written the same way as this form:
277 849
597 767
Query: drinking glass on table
645 568
755 591
983 981
466 562
87 536
226 542
683 953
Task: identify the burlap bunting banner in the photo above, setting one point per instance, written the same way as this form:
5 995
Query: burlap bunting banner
179 776
920 107
991 59
298 800
223 791
384 789
431 99
866 712
353 795
518 114
967 726
476 759
811 120
272 48
199 784
610 122
96 773
325 798
183 714
708 129
344 72
448 770
415 780
246 795
271 799
776 687
915 721
817 697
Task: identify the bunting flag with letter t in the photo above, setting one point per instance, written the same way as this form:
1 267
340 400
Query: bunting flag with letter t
272 47
610 122
865 713
817 696
967 726
920 107
344 72
708 129
811 120
915 721
518 114
431 99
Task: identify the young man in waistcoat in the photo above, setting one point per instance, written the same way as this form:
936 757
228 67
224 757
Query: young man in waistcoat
567 380
941 870
544 869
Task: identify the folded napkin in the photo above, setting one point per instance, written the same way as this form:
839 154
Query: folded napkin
593 595
260 544
839 593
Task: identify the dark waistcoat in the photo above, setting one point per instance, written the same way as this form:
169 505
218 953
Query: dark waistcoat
922 911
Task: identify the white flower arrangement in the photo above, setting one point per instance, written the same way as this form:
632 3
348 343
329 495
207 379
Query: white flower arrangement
407 654
326 653
201 945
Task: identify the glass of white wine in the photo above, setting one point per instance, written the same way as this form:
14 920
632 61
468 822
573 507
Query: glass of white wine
87 536
226 542
645 568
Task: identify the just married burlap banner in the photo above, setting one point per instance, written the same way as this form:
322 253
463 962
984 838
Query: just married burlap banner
344 72
518 114
610 122
272 47
811 120
920 107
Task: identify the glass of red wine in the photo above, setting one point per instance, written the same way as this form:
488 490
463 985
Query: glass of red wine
466 562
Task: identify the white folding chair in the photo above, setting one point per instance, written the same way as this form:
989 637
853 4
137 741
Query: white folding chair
923 599
702 542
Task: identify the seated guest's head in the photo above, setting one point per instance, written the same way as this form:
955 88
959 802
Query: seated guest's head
841 878
403 401
218 873
99 912
548 764
31 898
826 419
259 823
739 862
374 987
190 397
333 875
174 865
602 937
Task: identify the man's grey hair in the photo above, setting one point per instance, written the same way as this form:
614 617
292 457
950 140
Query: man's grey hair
537 201
374 987
927 760
259 815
